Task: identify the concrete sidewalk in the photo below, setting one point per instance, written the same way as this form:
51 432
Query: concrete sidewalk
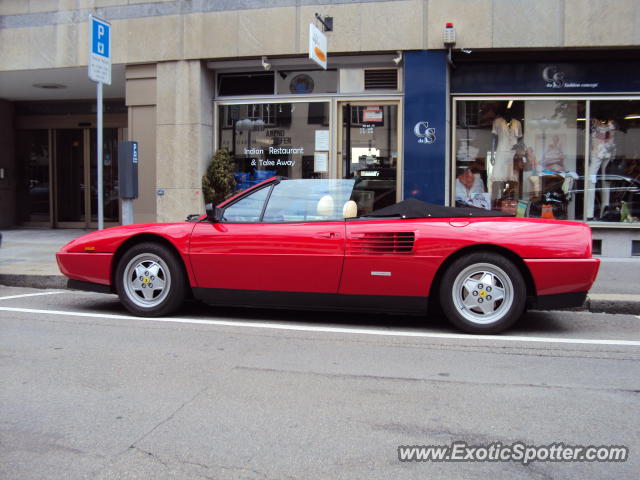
27 259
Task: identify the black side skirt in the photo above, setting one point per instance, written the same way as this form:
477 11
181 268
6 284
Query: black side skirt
88 286
312 301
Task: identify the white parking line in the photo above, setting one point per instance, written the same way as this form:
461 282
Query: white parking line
30 295
342 330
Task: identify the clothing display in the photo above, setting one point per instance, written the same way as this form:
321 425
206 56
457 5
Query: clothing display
507 133
602 151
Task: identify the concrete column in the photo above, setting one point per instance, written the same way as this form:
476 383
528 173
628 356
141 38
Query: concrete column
184 137
8 166
141 103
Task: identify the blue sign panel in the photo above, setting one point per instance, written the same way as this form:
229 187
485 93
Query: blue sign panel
538 77
100 37
425 123
99 50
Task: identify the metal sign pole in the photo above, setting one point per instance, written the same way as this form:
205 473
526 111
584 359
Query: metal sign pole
99 72
99 159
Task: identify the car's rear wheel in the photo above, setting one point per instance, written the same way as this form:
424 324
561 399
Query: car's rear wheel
483 292
150 280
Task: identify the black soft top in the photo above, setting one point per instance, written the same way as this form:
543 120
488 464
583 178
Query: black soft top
414 208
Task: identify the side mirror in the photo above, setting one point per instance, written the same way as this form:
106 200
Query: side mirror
214 214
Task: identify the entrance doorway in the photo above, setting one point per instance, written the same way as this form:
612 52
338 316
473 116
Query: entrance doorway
58 177
369 151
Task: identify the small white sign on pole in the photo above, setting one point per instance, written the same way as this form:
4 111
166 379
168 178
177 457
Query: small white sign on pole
99 50
317 46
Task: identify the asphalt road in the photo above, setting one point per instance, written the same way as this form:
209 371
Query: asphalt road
88 392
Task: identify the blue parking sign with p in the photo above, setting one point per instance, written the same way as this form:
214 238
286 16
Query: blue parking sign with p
100 37
99 50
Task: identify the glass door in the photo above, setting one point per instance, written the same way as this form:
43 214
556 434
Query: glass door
368 150
76 177
71 183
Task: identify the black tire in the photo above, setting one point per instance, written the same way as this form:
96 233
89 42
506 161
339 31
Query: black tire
150 280
483 292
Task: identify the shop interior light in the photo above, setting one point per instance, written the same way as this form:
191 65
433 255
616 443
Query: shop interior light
510 104
632 116
581 119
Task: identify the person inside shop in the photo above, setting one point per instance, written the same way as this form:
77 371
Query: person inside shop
553 160
470 190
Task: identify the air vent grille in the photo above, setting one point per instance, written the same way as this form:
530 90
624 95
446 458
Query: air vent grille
384 242
381 79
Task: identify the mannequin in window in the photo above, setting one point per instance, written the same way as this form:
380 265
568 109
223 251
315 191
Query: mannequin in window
506 133
602 151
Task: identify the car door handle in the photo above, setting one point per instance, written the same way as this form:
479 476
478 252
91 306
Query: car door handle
328 235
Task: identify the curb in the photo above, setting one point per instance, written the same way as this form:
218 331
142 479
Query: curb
596 303
33 281
626 307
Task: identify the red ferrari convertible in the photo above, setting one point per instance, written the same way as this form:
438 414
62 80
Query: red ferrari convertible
308 244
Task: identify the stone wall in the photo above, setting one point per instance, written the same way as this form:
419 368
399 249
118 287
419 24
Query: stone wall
52 34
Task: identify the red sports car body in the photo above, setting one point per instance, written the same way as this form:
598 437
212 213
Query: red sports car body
297 243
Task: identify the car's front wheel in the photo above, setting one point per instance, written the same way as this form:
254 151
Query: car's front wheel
150 280
483 292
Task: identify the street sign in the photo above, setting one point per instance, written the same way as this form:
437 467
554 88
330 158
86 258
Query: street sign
99 50
317 46
99 72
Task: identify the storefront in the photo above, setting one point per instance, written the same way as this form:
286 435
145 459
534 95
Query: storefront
345 122
552 140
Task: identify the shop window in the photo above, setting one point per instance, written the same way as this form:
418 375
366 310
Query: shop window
520 157
268 139
527 157
613 180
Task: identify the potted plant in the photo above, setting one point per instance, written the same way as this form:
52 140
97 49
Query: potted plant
218 182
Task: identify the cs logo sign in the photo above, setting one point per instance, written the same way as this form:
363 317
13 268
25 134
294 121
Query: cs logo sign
424 133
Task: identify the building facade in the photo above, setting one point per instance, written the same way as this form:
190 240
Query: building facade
534 110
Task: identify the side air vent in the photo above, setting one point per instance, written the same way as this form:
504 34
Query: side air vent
384 242
381 79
